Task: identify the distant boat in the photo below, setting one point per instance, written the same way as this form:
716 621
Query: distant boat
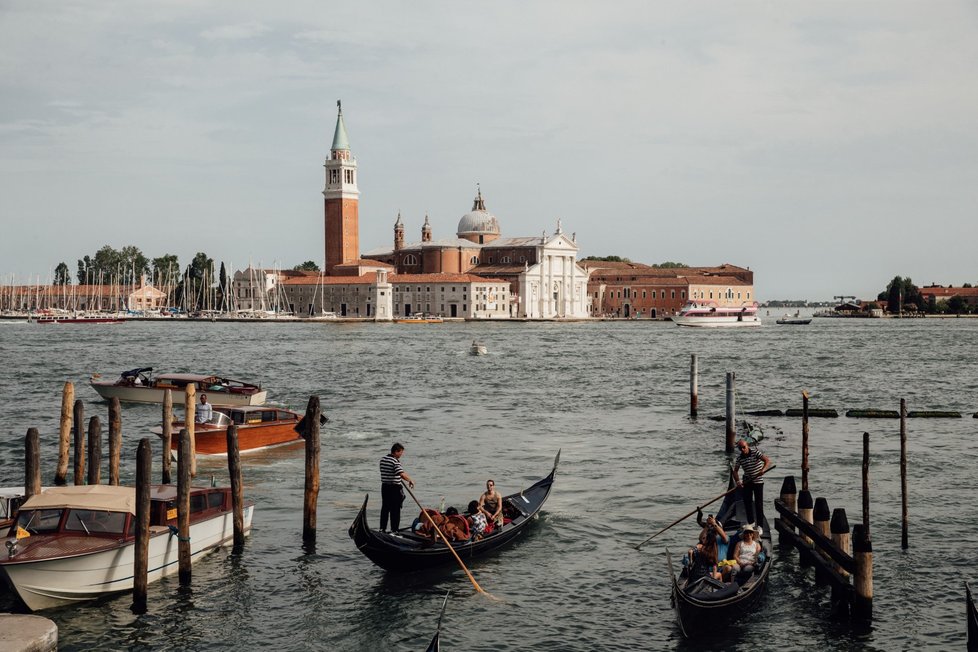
137 386
707 314
478 348
419 318
77 318
796 320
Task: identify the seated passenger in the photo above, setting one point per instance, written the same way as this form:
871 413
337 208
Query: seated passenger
491 504
477 520
747 552
703 559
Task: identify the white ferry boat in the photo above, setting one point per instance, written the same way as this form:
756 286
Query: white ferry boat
707 314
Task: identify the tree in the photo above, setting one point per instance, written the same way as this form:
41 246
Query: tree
670 265
61 275
133 265
899 293
608 259
308 266
957 305
165 269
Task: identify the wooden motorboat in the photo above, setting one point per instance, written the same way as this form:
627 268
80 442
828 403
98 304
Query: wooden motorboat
259 427
405 550
77 543
972 619
140 386
705 603
478 348
10 501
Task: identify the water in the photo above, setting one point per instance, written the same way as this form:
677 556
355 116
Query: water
612 396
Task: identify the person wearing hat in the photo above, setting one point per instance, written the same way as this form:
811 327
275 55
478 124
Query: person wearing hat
754 463
747 552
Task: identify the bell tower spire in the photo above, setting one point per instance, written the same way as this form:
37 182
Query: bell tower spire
342 199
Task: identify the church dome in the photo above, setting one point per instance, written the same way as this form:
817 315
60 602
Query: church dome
478 221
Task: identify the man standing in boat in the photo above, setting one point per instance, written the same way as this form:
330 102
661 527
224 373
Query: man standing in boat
755 464
204 411
392 478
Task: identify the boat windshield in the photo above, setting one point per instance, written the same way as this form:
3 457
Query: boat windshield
220 419
38 521
92 521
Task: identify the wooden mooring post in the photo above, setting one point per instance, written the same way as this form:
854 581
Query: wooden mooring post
840 535
866 481
32 463
64 434
789 495
115 440
694 398
94 451
144 478
731 426
190 415
805 508
804 441
79 428
183 508
237 501
904 542
167 435
862 550
311 494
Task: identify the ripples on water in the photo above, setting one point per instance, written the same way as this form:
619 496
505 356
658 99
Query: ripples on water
613 396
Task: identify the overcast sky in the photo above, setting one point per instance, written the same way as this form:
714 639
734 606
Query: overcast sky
828 146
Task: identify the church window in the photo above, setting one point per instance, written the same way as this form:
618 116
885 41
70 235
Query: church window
682 294
504 259
673 294
643 294
522 259
474 260
410 259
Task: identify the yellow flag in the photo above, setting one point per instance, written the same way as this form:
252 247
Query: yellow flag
22 533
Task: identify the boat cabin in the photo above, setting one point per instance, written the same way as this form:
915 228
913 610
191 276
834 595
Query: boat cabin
110 511
250 415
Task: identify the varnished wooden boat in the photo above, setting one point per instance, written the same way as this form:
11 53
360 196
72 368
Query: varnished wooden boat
404 550
77 543
259 427
707 603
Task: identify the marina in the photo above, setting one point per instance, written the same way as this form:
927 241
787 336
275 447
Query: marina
620 477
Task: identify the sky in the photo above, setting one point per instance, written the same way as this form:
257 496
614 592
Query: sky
828 146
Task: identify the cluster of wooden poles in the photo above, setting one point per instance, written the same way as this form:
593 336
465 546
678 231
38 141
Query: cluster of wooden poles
72 418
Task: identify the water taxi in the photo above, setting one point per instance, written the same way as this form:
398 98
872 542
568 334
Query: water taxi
419 318
258 428
77 543
478 348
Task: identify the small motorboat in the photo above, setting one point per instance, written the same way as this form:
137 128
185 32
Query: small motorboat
259 427
140 386
406 550
419 318
78 318
795 320
710 314
703 604
478 348
77 543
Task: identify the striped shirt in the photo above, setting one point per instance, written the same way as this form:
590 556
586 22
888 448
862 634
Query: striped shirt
752 463
390 470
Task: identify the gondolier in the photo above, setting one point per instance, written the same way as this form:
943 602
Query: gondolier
754 463
392 478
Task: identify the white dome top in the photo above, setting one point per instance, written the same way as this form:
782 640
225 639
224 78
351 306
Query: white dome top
478 220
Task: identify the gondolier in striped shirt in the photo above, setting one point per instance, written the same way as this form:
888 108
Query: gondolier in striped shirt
754 463
392 478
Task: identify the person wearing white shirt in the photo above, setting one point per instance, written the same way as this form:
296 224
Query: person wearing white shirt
204 411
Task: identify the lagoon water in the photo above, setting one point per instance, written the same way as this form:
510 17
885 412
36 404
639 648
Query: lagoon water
613 397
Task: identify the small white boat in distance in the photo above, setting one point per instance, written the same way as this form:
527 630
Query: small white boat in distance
478 348
797 320
77 543
707 314
139 386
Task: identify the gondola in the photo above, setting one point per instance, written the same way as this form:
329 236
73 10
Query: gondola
972 620
707 602
405 550
435 645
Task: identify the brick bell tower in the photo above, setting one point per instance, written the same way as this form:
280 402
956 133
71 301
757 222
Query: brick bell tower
342 200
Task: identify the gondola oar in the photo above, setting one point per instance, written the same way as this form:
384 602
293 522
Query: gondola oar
449 545
435 645
710 502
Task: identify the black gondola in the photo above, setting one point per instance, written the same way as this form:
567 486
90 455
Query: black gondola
972 620
700 606
435 645
404 550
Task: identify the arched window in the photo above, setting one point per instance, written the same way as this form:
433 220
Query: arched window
474 260
504 260
410 259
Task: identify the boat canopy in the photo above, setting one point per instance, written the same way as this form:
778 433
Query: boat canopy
97 496
132 373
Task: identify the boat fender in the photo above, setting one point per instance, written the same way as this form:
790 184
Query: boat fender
175 532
